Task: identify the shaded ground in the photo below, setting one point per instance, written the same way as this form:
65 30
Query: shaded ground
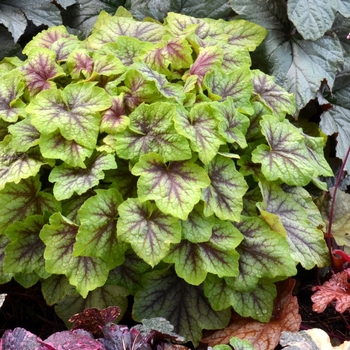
27 308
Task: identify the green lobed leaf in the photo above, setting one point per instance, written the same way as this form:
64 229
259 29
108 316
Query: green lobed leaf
46 38
100 298
235 124
15 166
26 280
175 187
97 234
4 277
272 95
73 110
11 90
164 294
151 129
85 273
237 84
80 63
55 288
198 227
263 254
128 49
137 89
306 241
69 179
129 274
149 231
55 146
194 260
19 201
223 197
287 157
165 88
201 127
126 26
24 135
25 251
175 53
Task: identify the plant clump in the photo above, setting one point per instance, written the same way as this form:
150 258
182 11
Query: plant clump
151 160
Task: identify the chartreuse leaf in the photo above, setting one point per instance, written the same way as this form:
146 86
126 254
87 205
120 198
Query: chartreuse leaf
174 52
271 94
137 89
306 241
25 252
166 89
194 260
234 125
85 273
237 84
236 343
242 34
166 295
97 234
80 63
24 135
126 26
263 254
287 157
149 231
151 129
46 38
224 194
15 166
73 110
19 201
257 303
175 187
40 69
55 146
127 49
129 274
207 60
115 118
70 179
100 298
201 127
198 227
107 64
11 90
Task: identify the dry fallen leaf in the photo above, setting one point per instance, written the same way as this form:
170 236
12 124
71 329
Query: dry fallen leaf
263 336
337 288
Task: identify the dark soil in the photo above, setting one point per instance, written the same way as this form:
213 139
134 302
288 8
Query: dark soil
27 308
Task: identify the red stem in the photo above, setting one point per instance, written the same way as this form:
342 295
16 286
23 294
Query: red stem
329 231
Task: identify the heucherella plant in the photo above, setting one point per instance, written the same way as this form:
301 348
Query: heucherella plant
151 160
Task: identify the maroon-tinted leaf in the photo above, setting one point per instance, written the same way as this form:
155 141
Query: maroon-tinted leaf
208 59
74 340
18 201
93 319
40 69
20 339
115 118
